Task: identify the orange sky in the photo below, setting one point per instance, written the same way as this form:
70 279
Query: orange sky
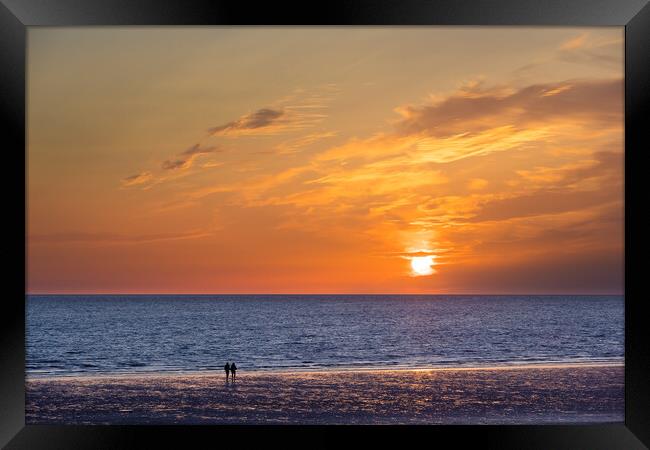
324 160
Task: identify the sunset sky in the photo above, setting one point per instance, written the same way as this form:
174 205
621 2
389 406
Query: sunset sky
325 160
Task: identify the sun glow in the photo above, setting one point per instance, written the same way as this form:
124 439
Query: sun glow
346 177
422 265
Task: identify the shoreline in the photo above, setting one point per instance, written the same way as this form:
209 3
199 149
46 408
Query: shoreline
551 394
320 370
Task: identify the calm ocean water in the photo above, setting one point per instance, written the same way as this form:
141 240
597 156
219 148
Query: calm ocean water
77 335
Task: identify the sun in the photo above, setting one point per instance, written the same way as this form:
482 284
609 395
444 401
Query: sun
422 265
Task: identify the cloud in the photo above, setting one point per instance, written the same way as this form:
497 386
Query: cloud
579 100
269 121
178 166
542 203
606 166
477 184
262 118
187 158
575 42
300 109
196 149
445 167
300 143
477 120
211 164
587 49
595 50
137 179
468 176
112 238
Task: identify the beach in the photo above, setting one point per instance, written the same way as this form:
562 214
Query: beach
562 393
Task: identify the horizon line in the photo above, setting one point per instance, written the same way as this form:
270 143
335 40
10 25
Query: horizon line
308 294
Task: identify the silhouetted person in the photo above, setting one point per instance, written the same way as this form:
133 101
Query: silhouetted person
227 369
233 369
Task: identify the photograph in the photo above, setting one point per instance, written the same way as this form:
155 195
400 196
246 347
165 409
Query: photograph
325 225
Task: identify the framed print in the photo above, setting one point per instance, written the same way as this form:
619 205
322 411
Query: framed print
366 217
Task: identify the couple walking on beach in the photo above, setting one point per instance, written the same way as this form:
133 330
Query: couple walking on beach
230 368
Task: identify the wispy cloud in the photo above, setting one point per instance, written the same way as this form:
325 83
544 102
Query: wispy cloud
439 172
587 49
299 110
186 158
137 179
302 109
112 238
574 43
298 144
171 168
196 149
476 110
268 121
262 121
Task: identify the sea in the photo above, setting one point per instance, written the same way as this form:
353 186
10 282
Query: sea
79 335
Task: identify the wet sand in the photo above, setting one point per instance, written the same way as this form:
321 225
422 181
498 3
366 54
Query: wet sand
512 395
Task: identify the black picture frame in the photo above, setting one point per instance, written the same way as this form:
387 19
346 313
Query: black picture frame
17 15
